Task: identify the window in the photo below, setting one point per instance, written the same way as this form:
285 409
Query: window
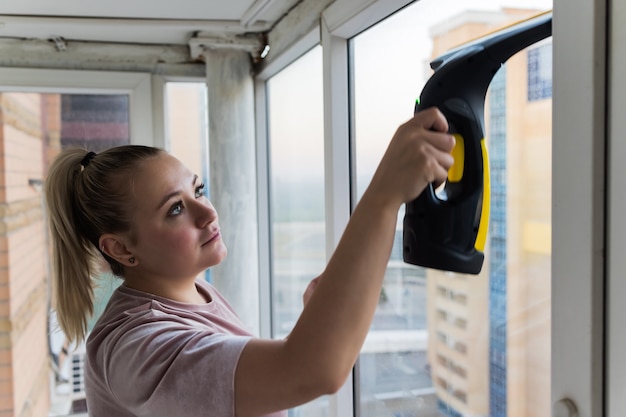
95 110
480 331
296 166
186 131
186 115
91 121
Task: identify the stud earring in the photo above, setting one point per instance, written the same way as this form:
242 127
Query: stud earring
131 260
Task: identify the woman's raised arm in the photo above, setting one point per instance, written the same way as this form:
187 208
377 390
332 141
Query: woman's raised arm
324 344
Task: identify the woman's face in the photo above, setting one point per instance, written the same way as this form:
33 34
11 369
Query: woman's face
175 226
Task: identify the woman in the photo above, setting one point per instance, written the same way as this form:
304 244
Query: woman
170 345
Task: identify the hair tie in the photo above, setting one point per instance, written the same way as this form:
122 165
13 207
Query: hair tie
85 161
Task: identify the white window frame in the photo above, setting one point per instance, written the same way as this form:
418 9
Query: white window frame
136 85
159 96
616 225
578 206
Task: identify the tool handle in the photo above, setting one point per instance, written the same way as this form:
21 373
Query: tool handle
442 226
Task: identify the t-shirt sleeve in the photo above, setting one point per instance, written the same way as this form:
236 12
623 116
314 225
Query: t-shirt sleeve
167 368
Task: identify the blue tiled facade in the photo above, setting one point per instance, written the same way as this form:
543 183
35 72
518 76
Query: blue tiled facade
447 410
497 241
540 72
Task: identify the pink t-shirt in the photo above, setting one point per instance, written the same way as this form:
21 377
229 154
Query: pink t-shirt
151 356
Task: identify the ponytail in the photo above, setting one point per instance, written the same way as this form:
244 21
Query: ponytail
86 196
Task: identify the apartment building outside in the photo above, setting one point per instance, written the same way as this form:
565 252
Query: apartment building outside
489 335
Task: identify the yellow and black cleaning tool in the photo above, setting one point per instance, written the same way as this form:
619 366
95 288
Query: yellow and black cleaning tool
446 227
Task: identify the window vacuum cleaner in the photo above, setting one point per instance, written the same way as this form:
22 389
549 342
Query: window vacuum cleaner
445 228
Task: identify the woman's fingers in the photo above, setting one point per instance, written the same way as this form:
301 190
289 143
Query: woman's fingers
418 154
431 119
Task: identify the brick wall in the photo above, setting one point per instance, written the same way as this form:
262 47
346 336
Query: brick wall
24 365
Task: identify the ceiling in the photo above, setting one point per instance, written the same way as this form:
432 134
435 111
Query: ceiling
136 21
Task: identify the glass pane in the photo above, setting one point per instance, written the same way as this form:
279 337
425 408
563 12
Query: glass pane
296 148
95 122
445 344
186 115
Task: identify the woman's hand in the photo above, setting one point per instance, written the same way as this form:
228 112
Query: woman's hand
418 154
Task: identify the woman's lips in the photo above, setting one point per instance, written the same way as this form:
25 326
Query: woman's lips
213 238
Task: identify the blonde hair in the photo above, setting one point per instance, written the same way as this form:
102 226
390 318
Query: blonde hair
87 195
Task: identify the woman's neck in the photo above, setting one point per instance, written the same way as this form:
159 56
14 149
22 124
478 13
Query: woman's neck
182 291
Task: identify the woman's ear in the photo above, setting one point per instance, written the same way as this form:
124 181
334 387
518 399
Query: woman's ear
114 247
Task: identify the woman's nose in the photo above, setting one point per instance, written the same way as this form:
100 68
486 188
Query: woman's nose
204 212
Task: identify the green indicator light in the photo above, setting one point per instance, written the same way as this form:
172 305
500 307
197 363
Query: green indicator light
417 101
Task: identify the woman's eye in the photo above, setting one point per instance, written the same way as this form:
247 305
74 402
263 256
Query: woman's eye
176 209
200 191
